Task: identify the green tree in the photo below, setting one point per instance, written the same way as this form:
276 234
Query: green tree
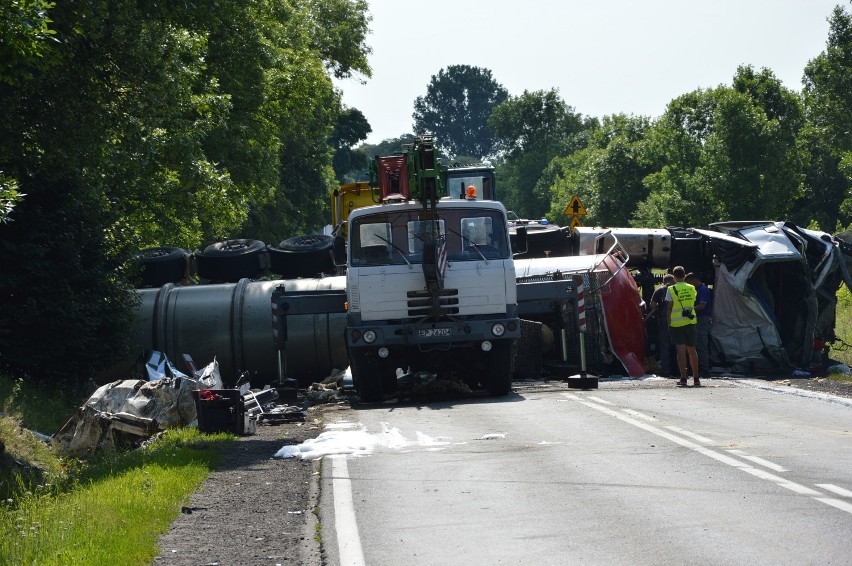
352 127
9 197
157 123
310 41
456 107
730 153
24 38
24 43
390 146
752 165
828 133
532 129
607 175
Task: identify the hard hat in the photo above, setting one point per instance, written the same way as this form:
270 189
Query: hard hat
470 193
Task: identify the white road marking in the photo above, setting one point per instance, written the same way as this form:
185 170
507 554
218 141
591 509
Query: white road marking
599 400
835 489
639 415
838 503
778 480
725 459
759 460
348 539
692 435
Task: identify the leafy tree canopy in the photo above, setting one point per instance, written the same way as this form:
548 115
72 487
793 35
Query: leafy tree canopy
609 172
729 153
24 35
456 107
828 134
352 127
532 129
137 124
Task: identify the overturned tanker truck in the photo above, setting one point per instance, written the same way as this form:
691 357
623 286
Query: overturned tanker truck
465 306
545 288
432 286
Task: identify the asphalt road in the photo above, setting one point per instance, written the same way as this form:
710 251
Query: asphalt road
630 473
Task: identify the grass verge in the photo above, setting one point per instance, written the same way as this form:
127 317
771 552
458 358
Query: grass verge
843 327
110 509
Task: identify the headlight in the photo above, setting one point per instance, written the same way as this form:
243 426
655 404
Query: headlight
383 352
497 330
370 336
486 346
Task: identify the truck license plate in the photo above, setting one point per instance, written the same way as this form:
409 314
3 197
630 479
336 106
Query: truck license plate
434 332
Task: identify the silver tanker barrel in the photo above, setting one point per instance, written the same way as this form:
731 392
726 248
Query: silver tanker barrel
233 323
647 247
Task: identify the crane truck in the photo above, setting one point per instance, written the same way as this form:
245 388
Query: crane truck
430 280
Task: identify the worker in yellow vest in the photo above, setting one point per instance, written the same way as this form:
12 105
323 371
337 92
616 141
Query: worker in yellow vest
683 325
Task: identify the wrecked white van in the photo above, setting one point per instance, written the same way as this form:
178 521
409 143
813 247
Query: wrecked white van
775 295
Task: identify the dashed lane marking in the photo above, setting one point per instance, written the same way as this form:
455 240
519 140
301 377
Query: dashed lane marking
759 460
639 415
836 489
718 456
692 435
840 504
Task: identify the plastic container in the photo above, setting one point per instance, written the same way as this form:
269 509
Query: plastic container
224 414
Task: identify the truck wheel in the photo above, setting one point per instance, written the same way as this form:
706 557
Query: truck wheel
365 376
231 260
162 265
302 256
500 368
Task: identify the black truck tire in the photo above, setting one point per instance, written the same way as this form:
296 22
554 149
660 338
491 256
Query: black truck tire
500 368
232 260
302 256
365 376
162 265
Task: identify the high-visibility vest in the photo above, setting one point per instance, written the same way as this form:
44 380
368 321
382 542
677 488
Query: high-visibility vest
682 295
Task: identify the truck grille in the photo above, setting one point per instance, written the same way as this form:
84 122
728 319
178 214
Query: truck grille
420 302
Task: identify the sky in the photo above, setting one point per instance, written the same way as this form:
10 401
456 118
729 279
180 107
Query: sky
604 56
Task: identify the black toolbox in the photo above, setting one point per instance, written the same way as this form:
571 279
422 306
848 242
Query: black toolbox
224 412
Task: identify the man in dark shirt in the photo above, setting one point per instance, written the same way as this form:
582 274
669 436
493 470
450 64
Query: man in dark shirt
704 310
659 312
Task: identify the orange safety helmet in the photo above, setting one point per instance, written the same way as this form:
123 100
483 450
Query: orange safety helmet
470 193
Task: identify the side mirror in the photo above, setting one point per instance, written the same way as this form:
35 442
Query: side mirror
519 246
338 250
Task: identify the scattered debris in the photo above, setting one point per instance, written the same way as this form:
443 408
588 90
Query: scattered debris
493 436
124 413
326 392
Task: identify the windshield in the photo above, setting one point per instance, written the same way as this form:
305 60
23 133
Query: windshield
398 237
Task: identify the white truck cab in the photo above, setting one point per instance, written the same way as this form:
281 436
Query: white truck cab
395 320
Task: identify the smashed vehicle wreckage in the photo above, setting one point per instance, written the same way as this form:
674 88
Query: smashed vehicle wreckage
775 295
774 287
774 284
125 413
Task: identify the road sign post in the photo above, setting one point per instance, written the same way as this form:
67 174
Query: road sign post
582 380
